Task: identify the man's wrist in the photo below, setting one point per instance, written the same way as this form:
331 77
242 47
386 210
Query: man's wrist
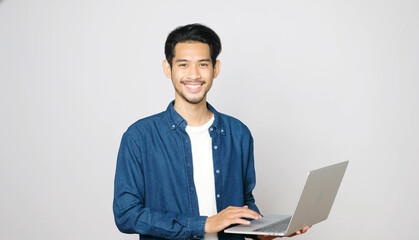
207 225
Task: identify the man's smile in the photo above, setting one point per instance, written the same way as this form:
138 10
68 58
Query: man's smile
193 86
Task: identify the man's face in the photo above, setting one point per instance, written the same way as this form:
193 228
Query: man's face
192 72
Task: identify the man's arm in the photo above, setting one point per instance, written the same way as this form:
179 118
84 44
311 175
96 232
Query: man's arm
131 214
250 178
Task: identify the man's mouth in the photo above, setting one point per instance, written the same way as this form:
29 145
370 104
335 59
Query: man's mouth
193 86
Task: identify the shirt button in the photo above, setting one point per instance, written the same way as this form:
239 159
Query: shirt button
222 130
217 171
211 129
215 147
173 126
218 195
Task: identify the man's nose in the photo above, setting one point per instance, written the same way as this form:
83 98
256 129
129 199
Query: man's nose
194 72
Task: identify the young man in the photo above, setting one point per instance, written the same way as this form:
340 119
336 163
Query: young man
188 172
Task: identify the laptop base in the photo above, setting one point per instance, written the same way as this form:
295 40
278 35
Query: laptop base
257 224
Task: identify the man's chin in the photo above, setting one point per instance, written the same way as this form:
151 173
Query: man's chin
194 101
190 99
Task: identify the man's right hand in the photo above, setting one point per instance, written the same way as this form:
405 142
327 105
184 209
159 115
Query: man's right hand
230 215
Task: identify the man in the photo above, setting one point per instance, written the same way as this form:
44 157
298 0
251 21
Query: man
188 172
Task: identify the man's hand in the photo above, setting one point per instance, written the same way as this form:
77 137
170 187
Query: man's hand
230 215
264 237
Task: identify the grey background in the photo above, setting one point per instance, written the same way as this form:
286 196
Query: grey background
317 82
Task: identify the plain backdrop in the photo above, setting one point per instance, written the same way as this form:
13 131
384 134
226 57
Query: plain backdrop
317 82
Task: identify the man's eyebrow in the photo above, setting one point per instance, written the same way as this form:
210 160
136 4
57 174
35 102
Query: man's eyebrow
181 60
200 60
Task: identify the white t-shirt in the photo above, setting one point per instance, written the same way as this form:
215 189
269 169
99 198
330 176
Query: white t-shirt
203 170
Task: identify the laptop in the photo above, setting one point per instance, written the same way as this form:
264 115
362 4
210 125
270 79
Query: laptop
314 205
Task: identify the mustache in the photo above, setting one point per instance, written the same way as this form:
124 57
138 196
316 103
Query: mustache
192 81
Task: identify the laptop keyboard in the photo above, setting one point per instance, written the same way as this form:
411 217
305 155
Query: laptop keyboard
276 227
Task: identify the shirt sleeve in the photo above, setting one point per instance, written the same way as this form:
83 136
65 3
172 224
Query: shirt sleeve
250 179
250 184
131 214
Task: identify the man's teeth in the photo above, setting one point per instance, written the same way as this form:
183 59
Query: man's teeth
193 86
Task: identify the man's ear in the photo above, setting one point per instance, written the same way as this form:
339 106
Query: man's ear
217 67
167 69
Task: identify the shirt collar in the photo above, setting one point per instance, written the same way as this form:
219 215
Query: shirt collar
175 120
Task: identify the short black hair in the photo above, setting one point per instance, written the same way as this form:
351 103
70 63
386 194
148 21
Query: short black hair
194 33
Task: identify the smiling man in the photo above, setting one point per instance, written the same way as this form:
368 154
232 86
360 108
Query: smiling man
192 71
187 172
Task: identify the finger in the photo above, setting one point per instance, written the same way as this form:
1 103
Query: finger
239 221
252 212
244 211
244 208
238 210
246 214
241 209
305 229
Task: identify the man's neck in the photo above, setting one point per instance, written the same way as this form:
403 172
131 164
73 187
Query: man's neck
194 114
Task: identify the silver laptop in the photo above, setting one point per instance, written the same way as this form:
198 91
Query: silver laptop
314 205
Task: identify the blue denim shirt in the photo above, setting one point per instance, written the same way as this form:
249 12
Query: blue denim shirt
154 188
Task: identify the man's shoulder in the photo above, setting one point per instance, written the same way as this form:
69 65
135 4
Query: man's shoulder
147 123
234 123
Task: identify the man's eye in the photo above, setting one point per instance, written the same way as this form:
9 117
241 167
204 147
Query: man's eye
204 64
182 65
